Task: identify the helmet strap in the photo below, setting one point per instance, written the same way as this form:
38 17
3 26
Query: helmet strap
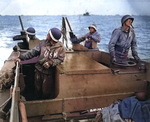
126 27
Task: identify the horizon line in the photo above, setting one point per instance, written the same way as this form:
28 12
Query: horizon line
72 15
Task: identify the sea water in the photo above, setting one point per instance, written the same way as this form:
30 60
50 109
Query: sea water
10 26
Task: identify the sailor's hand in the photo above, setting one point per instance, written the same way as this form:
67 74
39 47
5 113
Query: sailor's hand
137 59
43 60
112 57
72 35
18 59
114 60
47 64
89 36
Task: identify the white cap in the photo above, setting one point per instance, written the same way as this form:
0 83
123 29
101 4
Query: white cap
93 26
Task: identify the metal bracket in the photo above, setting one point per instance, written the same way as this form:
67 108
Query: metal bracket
115 71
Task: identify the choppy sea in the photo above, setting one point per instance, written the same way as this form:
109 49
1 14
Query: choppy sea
10 26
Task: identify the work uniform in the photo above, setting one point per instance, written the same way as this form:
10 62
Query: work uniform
44 78
90 43
121 41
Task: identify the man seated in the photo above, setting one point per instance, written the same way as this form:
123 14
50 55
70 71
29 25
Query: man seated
91 38
31 33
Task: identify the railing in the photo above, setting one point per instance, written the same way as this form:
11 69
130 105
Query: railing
14 113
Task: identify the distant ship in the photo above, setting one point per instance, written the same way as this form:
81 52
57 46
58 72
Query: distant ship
86 14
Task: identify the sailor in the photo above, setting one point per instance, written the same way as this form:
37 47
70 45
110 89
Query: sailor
91 38
51 53
31 33
121 40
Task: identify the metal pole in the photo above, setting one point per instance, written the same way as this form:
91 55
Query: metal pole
14 113
68 24
21 23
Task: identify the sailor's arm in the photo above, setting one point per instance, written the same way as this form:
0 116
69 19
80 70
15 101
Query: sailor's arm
112 43
113 40
81 39
134 49
96 37
30 54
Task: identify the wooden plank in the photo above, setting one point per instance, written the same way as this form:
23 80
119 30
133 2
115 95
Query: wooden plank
79 47
92 102
78 116
53 117
77 63
99 84
33 43
43 107
69 116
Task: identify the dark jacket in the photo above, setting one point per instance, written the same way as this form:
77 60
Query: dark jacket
46 52
122 40
94 40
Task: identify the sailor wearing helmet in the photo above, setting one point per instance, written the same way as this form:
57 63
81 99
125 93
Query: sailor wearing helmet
121 40
51 53
31 33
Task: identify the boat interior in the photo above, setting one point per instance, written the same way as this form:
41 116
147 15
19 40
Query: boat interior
85 80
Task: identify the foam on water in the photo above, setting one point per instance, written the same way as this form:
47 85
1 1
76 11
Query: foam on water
5 53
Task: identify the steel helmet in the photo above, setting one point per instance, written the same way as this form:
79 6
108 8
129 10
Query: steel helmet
125 17
93 26
30 31
55 34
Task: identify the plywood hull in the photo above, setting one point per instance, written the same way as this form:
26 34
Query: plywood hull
85 80
87 89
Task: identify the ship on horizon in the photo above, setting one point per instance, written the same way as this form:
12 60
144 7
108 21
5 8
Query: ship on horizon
86 14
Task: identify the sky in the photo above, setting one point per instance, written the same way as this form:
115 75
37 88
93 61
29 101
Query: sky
74 7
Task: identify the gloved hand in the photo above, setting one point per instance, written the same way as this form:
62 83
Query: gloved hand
89 36
73 38
113 57
137 59
135 55
72 35
47 64
43 60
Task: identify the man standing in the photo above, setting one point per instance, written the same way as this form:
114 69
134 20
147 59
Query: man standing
121 40
51 52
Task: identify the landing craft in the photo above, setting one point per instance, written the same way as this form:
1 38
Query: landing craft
85 80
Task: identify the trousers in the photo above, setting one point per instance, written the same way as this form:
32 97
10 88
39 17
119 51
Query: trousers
44 85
